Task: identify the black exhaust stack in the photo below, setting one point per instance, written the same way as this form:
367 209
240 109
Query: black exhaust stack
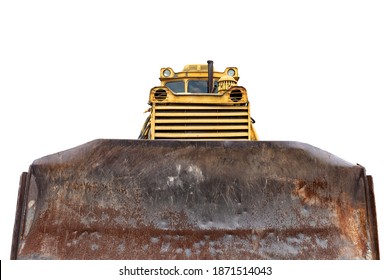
210 74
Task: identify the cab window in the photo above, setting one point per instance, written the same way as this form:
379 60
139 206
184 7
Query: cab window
196 86
177 86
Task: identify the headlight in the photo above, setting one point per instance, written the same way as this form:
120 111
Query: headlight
167 73
231 72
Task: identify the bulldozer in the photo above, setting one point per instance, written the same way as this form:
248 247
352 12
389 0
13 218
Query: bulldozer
197 184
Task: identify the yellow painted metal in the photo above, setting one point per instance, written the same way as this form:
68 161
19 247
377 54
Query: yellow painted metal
225 98
222 115
195 70
201 135
226 82
204 127
202 114
153 122
253 134
208 120
197 107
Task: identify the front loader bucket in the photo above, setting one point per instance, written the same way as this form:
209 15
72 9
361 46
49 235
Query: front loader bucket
140 199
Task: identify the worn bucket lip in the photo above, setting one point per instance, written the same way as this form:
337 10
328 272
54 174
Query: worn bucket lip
323 155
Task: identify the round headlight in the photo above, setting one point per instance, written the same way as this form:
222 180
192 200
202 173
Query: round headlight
231 72
167 73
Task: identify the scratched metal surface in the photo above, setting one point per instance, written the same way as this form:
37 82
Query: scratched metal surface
139 199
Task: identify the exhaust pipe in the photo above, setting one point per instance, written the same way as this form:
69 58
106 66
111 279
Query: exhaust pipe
210 74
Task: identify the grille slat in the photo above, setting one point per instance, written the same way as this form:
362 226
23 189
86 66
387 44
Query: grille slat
203 127
201 107
201 114
200 135
205 120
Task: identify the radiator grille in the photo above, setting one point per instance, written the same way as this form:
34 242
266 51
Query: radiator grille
201 121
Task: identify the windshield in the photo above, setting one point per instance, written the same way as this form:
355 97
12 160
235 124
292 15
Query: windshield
176 86
196 86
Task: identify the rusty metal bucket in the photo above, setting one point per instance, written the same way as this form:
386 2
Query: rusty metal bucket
140 199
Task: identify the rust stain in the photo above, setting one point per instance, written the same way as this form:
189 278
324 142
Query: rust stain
350 219
352 223
311 193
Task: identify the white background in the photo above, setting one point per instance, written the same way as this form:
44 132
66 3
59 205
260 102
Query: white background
74 71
